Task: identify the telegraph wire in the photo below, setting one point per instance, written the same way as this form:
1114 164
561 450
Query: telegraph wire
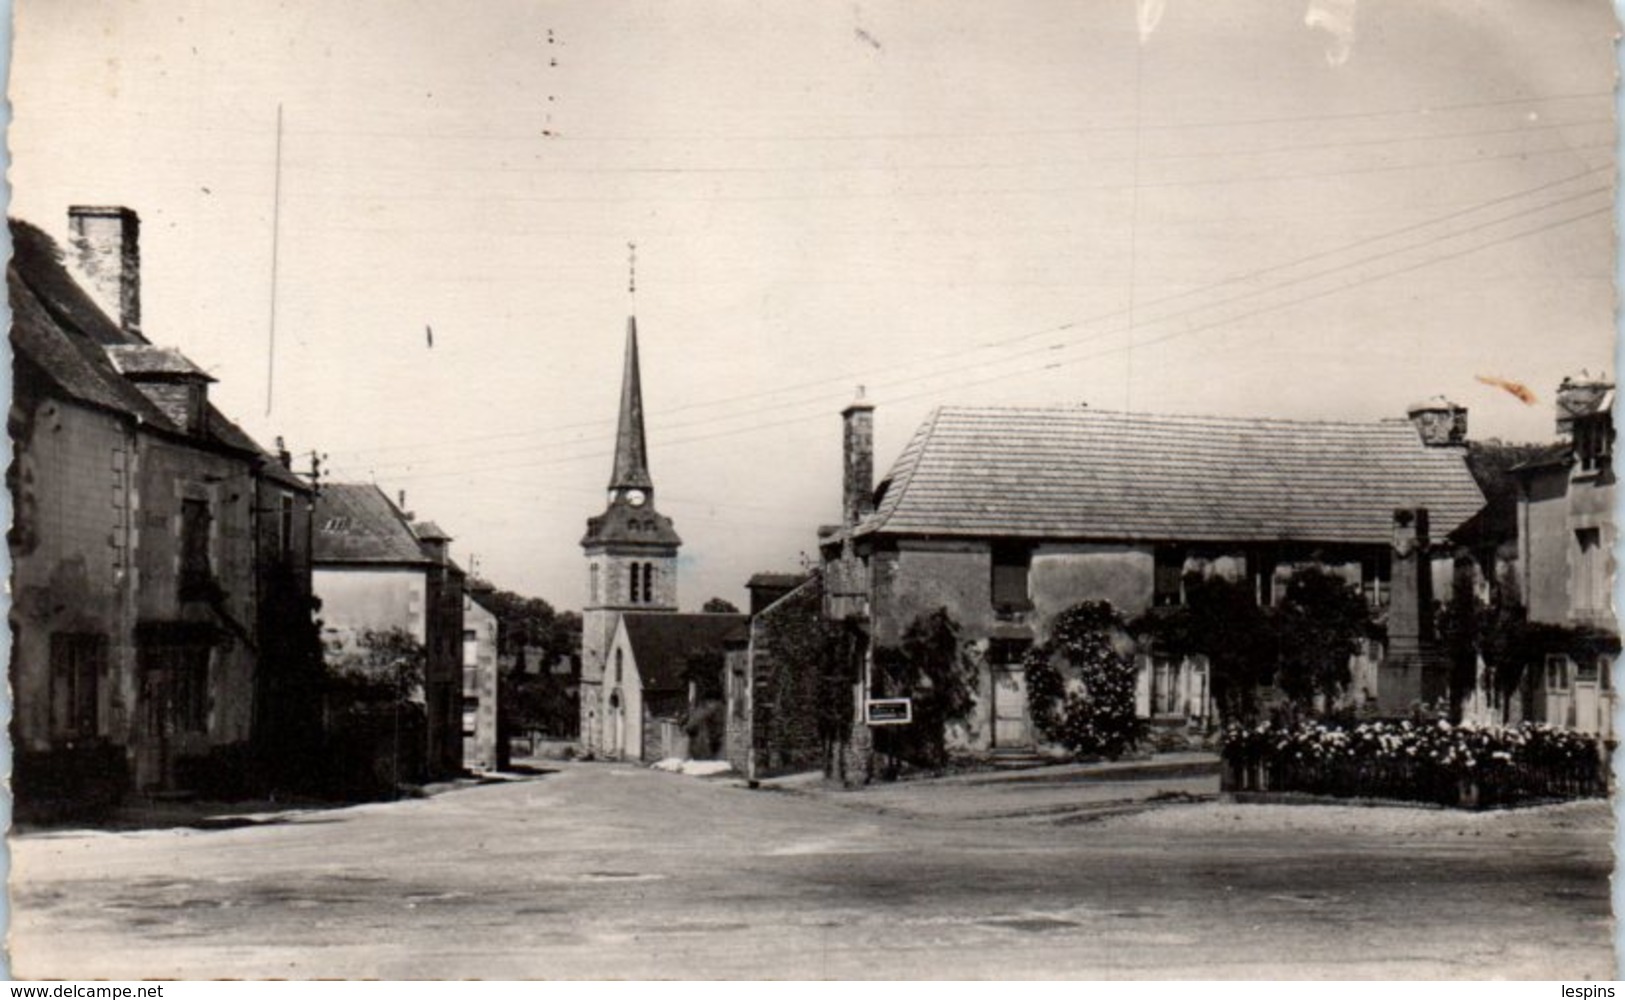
1072 324
599 454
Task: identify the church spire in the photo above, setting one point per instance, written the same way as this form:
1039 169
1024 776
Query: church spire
631 454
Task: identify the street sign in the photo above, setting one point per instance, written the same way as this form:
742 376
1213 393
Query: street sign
888 711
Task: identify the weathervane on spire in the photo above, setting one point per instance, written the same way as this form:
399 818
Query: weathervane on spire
632 271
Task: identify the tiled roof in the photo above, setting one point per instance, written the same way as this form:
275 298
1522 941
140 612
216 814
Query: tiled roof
356 523
662 643
1094 474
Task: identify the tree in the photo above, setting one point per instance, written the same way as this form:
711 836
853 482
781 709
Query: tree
1460 627
931 668
1222 620
718 606
1319 625
1080 684
531 638
387 664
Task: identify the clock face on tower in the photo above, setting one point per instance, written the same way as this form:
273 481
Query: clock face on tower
636 497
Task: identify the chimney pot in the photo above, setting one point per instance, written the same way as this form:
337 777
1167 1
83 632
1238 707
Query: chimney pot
1440 422
106 242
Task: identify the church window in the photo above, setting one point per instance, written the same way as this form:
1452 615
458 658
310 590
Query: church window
636 580
648 583
592 573
620 659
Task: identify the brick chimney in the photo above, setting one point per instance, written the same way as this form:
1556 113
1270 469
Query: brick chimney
106 242
858 447
1441 423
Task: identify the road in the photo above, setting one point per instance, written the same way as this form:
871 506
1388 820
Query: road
612 871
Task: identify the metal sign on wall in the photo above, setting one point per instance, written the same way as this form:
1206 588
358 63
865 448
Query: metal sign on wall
888 711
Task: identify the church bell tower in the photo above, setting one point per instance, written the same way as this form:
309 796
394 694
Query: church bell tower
631 550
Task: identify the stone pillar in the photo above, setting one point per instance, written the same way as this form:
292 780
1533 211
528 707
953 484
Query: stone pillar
1410 606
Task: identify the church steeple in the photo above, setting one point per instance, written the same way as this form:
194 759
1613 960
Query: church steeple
631 454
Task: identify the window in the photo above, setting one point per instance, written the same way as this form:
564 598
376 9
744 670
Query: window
1585 671
620 660
1012 565
1605 672
178 686
196 573
77 661
1557 673
1164 686
1591 574
637 580
1594 442
648 583
1168 585
592 584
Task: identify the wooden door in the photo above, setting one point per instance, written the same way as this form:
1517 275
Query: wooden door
1011 726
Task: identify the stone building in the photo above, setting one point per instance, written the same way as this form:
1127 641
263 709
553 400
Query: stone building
483 747
631 607
378 569
163 639
1566 536
1007 516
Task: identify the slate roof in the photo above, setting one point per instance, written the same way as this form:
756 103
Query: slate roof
1096 474
150 360
61 341
662 643
428 531
356 523
776 581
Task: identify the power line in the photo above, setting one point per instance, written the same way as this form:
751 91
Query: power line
598 455
1246 277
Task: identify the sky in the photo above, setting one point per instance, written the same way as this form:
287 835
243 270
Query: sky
1318 209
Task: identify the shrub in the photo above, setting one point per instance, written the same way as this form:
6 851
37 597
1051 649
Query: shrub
1431 762
931 668
1080 684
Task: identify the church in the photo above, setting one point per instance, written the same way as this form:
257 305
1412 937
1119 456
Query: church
639 656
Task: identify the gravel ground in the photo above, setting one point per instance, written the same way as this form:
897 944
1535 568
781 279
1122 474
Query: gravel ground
1592 817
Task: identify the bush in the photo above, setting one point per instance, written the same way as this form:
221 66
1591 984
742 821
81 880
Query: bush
1080 684
1434 762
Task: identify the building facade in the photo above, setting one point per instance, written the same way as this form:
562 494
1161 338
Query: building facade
483 746
163 638
1005 517
1566 535
376 569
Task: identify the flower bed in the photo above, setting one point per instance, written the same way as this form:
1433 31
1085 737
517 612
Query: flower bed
1467 765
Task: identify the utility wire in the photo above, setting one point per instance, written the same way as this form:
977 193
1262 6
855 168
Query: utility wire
599 454
1242 279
